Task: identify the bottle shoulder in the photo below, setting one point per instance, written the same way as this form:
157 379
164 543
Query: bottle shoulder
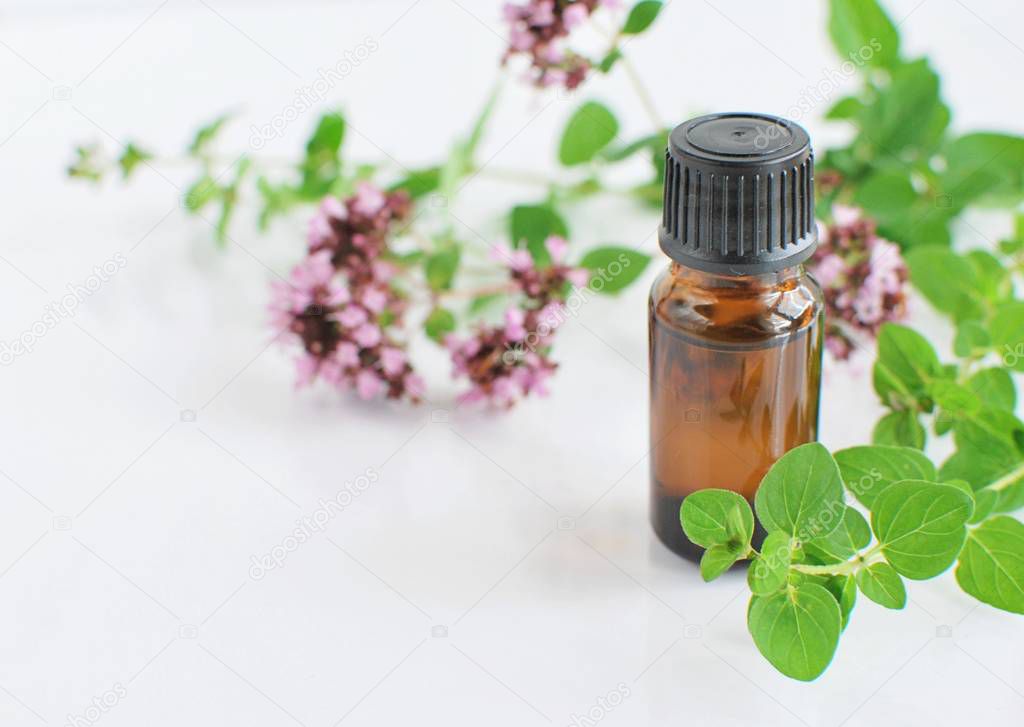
741 310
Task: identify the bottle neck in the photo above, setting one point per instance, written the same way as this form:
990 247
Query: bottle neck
752 284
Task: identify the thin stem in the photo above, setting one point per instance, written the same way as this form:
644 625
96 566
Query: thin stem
642 92
842 569
1007 480
501 289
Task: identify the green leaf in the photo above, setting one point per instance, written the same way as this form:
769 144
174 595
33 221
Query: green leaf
419 182
844 590
1007 329
203 191
950 282
886 195
439 323
613 267
718 559
705 516
848 107
985 503
207 134
899 429
229 199
983 164
277 199
797 629
483 302
589 131
994 388
767 572
608 62
860 26
441 267
641 16
802 493
869 470
908 114
991 566
882 584
842 543
322 164
956 401
921 526
971 339
130 158
532 225
906 363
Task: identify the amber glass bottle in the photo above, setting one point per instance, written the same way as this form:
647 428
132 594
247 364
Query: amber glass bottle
735 320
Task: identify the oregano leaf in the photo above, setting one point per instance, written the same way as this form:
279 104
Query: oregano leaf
802 493
921 526
869 470
842 543
882 584
589 131
991 566
718 559
767 572
796 629
705 516
899 429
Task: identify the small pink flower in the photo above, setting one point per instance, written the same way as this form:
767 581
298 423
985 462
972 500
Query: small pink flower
575 15
543 13
353 316
383 271
368 200
367 335
557 247
579 277
347 354
392 360
829 269
553 53
414 386
375 300
368 384
514 330
332 207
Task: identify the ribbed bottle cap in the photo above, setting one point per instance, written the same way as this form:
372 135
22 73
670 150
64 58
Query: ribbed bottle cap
739 194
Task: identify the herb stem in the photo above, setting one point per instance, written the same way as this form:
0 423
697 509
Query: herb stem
868 558
642 92
1008 479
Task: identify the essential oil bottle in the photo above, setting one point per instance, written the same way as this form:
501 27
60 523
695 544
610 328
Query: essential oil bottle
735 320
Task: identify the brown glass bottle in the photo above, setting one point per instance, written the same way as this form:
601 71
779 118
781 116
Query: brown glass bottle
735 321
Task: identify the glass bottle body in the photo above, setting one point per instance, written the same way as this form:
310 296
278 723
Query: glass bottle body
735 376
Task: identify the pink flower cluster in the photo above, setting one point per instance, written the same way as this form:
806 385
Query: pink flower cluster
538 29
510 361
863 276
339 305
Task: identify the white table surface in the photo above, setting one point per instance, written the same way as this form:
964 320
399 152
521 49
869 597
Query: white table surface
501 569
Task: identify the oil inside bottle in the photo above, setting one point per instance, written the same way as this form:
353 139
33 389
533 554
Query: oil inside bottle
735 376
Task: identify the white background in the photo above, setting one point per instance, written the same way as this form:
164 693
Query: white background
126 532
